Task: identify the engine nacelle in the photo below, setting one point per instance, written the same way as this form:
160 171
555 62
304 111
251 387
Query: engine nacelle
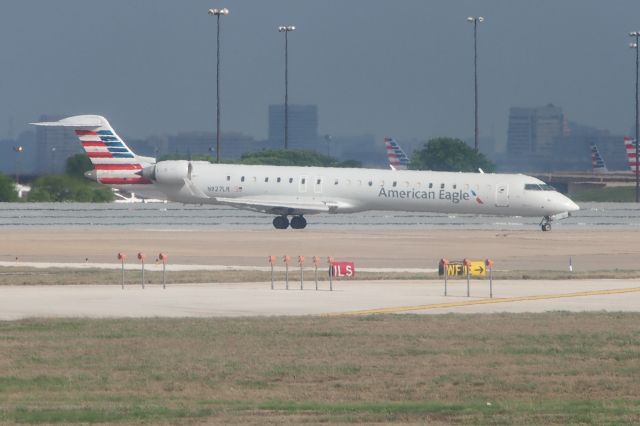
172 172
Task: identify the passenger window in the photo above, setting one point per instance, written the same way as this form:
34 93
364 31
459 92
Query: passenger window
290 180
303 181
336 182
430 185
394 184
242 179
228 178
370 183
278 180
455 186
318 182
442 186
266 179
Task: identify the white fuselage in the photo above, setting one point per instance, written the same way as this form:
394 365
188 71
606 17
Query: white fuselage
353 190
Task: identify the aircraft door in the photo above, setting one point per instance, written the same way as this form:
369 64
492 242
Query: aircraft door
302 183
502 195
317 185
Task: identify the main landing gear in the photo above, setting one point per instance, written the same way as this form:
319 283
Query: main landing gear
282 222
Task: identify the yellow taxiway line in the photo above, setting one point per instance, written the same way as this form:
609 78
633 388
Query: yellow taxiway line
399 309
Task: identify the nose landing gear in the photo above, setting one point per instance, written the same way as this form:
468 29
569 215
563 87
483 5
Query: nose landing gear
545 225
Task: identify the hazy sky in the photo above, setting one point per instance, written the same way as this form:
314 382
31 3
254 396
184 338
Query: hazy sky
401 68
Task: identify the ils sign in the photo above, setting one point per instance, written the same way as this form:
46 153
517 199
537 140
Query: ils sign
343 269
456 268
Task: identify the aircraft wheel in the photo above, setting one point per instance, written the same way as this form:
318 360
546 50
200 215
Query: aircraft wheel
298 222
280 222
546 227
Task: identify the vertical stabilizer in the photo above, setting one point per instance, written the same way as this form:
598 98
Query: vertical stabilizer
114 162
398 160
597 162
630 147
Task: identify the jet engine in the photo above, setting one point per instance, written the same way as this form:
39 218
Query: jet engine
168 172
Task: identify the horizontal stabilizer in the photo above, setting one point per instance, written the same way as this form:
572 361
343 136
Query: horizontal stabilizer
77 122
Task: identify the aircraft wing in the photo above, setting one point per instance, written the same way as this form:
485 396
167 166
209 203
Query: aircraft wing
280 206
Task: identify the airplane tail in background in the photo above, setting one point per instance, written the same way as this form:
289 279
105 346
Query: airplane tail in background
112 159
397 158
597 162
630 146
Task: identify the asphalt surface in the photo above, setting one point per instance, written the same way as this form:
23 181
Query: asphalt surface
348 298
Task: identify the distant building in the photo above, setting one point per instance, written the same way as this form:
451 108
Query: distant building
574 153
542 139
363 148
533 134
302 123
53 146
198 143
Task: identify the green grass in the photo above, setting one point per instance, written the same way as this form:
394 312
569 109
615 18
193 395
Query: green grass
557 368
616 194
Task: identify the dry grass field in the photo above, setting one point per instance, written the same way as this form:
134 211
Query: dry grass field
554 368
70 276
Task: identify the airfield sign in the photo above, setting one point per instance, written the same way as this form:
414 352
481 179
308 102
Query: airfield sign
456 268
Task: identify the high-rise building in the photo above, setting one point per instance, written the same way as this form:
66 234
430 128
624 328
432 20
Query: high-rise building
534 133
303 126
54 146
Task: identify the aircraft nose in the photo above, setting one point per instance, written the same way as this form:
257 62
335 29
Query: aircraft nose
568 205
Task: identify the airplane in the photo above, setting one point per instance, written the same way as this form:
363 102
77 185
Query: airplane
398 160
597 162
286 191
630 146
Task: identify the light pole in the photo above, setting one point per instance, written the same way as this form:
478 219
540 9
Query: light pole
328 138
286 29
218 13
18 149
634 45
475 20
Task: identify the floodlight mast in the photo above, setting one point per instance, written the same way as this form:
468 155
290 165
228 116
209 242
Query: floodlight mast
286 29
218 13
475 20
634 45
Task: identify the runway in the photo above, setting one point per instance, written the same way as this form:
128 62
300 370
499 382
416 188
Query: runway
348 298
588 250
370 249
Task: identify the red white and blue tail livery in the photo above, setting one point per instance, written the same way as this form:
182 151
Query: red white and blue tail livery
630 146
597 162
113 161
398 160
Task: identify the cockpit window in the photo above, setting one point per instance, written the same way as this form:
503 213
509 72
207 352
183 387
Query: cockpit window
538 187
